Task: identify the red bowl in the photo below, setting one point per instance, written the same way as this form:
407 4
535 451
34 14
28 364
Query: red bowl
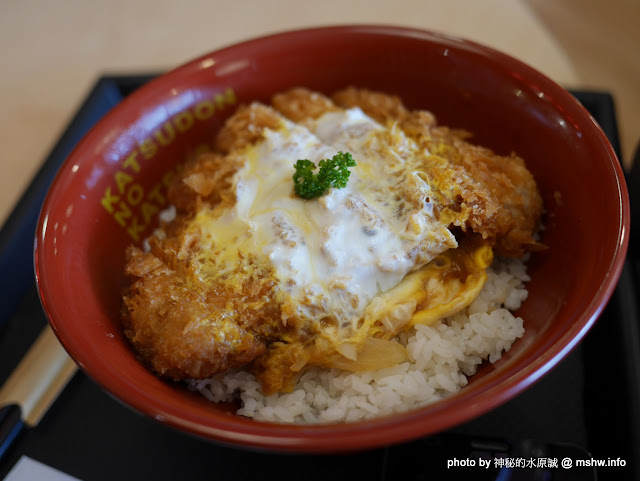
109 190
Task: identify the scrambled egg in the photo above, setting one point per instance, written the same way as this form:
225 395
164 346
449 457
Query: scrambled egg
335 255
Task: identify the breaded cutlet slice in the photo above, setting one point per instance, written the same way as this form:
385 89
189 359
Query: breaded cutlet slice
179 325
498 193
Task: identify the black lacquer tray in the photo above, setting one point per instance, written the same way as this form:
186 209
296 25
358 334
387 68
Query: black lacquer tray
588 406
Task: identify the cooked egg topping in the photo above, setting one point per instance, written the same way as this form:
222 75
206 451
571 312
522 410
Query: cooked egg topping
333 255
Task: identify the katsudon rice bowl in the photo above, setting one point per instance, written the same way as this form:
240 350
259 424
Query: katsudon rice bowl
332 239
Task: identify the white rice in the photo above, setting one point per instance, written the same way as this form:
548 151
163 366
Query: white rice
441 357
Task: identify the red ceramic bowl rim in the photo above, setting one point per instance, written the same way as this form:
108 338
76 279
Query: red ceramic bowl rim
358 435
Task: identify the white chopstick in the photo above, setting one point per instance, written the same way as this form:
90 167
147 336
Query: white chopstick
41 375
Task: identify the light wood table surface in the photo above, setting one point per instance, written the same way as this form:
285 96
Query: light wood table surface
52 52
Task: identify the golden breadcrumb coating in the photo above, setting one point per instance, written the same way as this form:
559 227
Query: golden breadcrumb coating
181 326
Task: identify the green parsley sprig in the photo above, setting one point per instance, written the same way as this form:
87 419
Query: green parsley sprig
332 172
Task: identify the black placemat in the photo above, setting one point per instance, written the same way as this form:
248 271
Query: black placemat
587 406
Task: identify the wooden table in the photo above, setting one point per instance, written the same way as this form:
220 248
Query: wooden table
52 52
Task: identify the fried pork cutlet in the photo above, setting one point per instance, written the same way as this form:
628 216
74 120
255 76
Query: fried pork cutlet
497 195
183 326
194 308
